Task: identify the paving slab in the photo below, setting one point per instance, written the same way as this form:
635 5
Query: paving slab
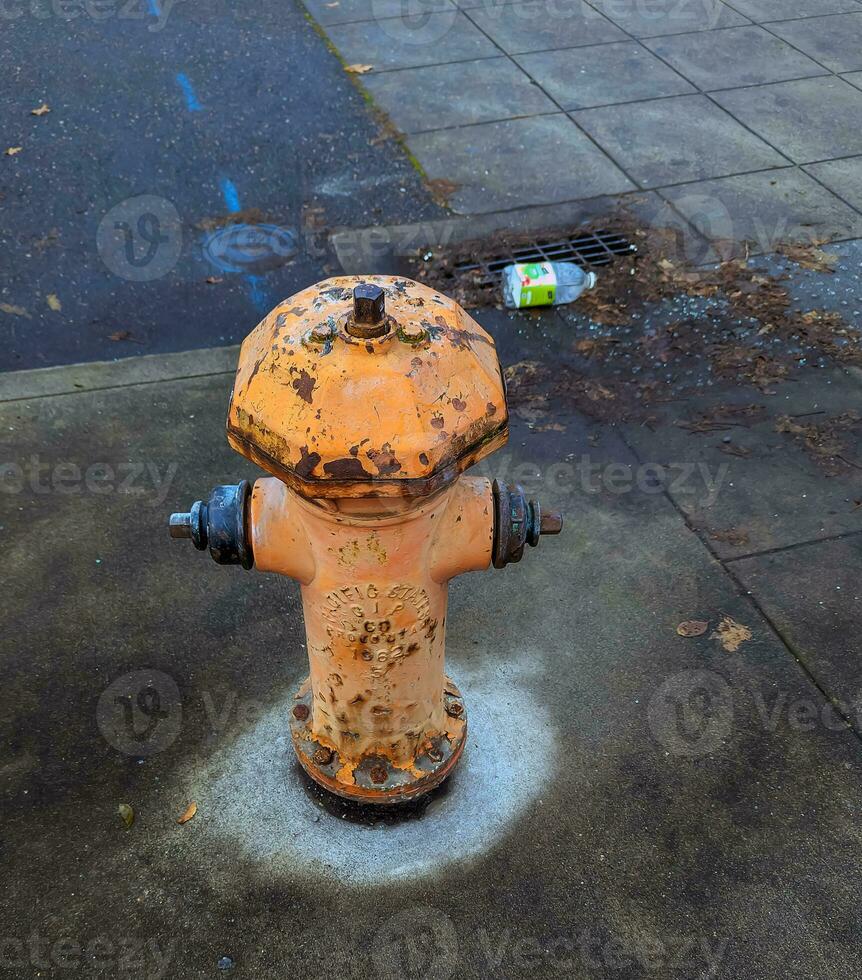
440 96
387 249
648 798
843 177
521 27
812 596
143 369
808 120
327 12
732 58
768 10
434 39
770 491
765 209
673 140
657 17
835 42
854 77
511 164
602 75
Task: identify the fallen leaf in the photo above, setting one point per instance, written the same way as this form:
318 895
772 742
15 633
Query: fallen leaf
358 69
124 335
692 627
190 811
212 280
127 814
809 257
41 111
12 150
248 216
13 310
442 189
47 241
731 634
54 302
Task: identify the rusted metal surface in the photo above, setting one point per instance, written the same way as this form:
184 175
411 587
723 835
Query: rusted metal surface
221 525
518 522
366 400
374 594
375 778
398 413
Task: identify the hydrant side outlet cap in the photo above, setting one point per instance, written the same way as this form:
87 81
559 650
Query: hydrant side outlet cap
333 414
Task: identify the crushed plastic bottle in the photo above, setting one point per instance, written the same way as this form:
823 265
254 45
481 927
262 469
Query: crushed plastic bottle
544 284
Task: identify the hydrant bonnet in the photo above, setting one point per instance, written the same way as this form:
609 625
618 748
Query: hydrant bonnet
385 388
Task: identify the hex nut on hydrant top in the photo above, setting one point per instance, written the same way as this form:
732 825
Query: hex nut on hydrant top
366 400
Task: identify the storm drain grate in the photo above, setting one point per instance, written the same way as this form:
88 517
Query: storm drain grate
595 249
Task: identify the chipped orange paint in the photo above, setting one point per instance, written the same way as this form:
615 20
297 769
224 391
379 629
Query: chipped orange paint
366 405
374 588
334 415
366 439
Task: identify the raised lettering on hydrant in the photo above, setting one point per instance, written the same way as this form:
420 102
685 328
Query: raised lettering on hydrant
366 400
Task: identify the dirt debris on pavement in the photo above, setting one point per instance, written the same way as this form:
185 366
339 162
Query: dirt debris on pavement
735 536
718 418
658 327
824 440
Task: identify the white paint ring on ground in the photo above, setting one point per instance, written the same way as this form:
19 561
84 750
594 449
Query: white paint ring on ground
250 796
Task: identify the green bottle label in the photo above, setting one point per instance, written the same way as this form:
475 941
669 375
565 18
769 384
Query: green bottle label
537 284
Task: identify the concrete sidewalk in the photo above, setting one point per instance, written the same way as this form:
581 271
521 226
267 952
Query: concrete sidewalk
746 116
632 801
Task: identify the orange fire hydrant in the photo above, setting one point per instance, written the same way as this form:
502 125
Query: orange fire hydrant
366 400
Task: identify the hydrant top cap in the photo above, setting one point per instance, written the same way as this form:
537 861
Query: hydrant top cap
338 406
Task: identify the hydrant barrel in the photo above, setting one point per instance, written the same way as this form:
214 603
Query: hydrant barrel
365 401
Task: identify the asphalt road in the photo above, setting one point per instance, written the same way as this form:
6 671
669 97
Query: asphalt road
170 126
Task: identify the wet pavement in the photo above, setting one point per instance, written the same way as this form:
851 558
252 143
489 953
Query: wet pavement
184 178
632 801
742 115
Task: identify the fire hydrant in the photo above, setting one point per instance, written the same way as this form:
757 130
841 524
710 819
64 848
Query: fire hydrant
366 400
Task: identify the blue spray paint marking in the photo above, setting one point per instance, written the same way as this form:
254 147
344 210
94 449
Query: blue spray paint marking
192 103
256 292
231 195
153 7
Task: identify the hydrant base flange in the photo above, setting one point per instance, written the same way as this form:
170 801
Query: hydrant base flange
376 779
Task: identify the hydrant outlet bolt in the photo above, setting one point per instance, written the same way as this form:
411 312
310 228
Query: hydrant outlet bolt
181 525
551 523
219 524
